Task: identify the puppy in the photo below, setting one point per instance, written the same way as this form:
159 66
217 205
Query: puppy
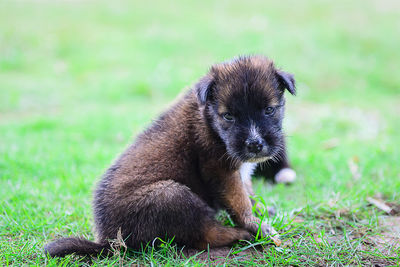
171 181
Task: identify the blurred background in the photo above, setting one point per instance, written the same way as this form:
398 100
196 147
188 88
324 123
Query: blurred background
79 79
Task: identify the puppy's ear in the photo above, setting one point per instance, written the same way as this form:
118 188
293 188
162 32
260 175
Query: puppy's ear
286 81
203 88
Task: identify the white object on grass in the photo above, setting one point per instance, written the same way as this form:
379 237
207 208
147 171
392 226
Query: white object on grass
286 176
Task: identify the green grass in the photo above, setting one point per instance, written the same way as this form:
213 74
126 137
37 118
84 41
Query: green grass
79 79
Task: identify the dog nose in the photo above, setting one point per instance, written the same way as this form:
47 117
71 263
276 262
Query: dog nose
254 146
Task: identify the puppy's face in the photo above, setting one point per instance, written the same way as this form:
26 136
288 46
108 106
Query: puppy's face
244 104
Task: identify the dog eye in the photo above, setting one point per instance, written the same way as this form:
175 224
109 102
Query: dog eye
269 110
228 116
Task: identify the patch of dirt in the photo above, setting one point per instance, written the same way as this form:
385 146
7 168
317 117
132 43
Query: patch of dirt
386 242
390 236
219 255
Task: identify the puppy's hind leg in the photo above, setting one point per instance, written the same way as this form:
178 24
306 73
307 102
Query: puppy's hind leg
170 209
217 235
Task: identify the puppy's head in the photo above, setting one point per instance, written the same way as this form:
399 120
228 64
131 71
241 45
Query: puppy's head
243 101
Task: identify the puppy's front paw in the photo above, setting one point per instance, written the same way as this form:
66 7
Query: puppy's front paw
286 176
268 230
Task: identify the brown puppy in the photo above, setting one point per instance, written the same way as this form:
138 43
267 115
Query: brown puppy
173 178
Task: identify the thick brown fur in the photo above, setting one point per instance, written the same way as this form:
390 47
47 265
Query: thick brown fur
171 181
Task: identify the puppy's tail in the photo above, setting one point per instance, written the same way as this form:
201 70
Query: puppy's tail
64 246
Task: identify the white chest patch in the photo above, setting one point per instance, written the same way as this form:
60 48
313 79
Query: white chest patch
246 170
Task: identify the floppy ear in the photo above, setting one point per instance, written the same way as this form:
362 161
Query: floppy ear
286 81
203 88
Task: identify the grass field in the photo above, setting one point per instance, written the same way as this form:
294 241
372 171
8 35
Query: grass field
79 79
